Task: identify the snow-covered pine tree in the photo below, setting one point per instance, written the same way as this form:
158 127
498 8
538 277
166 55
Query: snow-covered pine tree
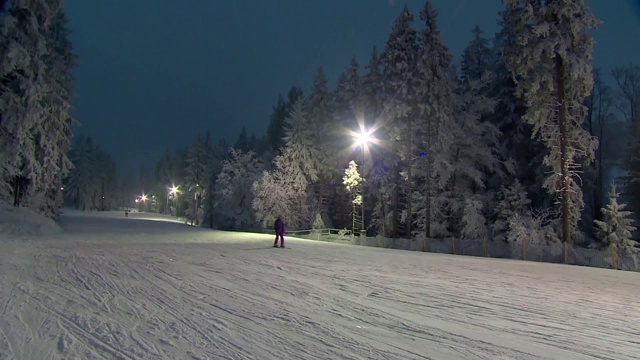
196 178
299 141
242 143
53 137
615 228
320 110
104 191
348 107
519 150
627 84
349 117
399 126
277 121
275 129
600 104
551 63
512 203
378 188
353 184
218 154
475 150
23 112
477 57
437 99
91 184
78 184
282 192
234 195
474 222
165 180
372 89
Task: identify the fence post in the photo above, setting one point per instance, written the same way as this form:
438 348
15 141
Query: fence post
453 245
614 257
486 247
524 249
425 244
566 252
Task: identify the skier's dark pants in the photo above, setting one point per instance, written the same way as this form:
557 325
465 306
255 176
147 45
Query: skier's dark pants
281 235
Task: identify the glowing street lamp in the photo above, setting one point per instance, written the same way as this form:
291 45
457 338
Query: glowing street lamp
173 190
363 138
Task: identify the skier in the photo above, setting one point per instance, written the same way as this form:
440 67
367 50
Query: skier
278 226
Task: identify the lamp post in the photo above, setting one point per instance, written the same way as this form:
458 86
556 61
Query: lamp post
143 199
173 190
362 139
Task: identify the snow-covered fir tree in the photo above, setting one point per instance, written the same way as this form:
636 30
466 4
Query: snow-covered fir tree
474 223
349 100
91 184
35 91
627 85
283 192
474 152
234 196
437 94
197 176
551 63
300 141
600 104
372 90
513 202
378 188
352 180
398 128
218 154
53 137
281 111
520 151
532 228
243 144
477 58
320 110
615 229
349 113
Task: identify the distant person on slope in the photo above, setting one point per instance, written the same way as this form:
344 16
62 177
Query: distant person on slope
278 226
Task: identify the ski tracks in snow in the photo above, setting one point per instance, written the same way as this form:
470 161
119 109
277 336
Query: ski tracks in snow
237 300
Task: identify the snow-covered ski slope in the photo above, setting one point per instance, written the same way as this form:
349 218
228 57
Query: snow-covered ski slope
110 287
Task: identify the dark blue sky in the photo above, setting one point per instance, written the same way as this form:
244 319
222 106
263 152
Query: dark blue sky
155 73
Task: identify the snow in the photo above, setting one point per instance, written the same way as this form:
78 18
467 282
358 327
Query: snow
143 288
22 221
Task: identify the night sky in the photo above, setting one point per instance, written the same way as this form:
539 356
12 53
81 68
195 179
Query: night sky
155 73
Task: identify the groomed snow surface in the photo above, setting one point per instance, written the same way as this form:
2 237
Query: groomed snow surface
110 287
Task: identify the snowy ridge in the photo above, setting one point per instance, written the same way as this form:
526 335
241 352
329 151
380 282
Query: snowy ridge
17 221
128 288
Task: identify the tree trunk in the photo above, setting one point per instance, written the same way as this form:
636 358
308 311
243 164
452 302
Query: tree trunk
600 187
428 184
564 161
16 191
394 220
409 182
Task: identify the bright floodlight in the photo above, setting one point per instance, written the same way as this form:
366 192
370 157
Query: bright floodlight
173 190
364 137
143 198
